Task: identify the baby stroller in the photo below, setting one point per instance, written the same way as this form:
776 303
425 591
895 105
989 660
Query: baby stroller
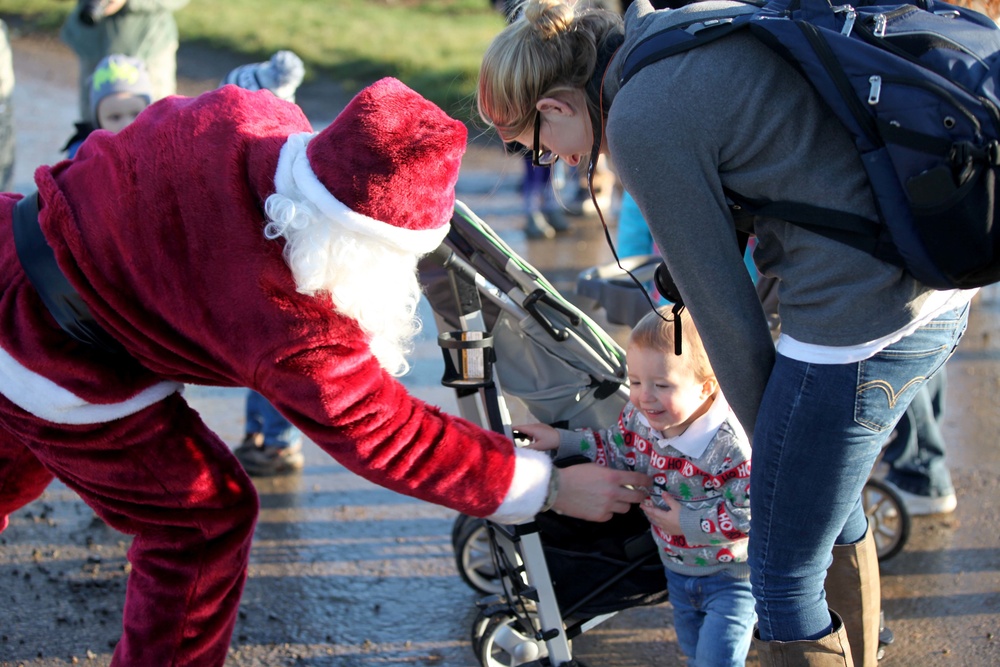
624 302
507 333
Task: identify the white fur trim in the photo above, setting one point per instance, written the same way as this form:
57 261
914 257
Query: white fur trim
528 488
295 179
47 400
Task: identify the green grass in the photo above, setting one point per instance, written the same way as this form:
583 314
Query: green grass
433 45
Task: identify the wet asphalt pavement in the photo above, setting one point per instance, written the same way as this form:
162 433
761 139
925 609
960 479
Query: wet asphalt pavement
344 573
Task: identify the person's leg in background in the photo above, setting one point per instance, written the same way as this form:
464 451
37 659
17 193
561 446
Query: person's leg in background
576 196
916 457
552 209
272 445
536 181
819 431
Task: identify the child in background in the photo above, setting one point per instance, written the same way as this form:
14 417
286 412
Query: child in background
678 428
119 91
272 445
144 29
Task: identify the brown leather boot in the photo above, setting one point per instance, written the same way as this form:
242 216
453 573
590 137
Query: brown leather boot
853 591
832 650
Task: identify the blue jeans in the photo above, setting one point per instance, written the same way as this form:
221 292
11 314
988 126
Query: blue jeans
263 418
713 616
819 430
916 457
537 188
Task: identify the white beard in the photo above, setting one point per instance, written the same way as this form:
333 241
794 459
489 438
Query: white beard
369 280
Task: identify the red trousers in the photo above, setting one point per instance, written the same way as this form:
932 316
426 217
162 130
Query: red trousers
164 477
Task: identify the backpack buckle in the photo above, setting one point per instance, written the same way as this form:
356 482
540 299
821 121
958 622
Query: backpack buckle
965 153
695 28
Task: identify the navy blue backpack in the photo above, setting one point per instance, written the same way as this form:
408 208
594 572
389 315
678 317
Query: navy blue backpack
918 87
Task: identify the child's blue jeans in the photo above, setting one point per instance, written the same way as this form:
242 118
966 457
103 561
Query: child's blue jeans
713 617
819 431
263 418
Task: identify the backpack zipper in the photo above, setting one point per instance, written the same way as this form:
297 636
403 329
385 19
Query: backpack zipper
829 61
873 38
876 37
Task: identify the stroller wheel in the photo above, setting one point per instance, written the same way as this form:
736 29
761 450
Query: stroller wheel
508 640
483 621
888 517
456 528
474 557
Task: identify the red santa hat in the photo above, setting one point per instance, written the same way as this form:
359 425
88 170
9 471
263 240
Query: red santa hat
386 167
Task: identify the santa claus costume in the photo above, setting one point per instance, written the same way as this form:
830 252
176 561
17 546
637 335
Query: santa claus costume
217 240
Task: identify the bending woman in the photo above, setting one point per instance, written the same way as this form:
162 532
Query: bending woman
859 336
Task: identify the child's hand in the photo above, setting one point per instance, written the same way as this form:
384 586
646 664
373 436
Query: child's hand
114 6
668 520
542 436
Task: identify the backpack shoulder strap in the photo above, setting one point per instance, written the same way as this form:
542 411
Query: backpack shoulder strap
684 36
856 231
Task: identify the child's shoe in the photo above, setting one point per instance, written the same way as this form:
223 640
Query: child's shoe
261 461
536 227
556 219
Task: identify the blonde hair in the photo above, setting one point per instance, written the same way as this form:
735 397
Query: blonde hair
654 333
989 7
550 46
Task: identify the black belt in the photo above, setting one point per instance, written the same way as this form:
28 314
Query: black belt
59 297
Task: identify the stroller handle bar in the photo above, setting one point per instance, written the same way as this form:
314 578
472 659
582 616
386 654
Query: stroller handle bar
540 295
448 259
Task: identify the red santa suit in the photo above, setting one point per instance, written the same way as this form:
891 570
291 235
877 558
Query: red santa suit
161 231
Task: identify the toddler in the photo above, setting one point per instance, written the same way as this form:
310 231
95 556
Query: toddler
119 91
678 428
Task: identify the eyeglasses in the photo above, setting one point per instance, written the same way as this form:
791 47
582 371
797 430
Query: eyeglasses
541 158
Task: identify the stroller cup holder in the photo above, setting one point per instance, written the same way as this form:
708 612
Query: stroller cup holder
468 359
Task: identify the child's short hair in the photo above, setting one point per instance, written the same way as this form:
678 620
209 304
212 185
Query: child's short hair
118 73
653 332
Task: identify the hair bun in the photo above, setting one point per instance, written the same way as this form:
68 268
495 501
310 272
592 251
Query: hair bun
549 17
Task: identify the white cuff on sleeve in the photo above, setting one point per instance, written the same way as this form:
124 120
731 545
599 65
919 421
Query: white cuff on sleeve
528 488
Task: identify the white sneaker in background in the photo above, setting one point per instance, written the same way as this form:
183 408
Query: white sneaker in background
919 505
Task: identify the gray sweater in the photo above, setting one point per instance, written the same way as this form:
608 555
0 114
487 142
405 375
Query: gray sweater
733 114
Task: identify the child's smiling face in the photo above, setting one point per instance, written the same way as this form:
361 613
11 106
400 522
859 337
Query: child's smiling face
665 389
